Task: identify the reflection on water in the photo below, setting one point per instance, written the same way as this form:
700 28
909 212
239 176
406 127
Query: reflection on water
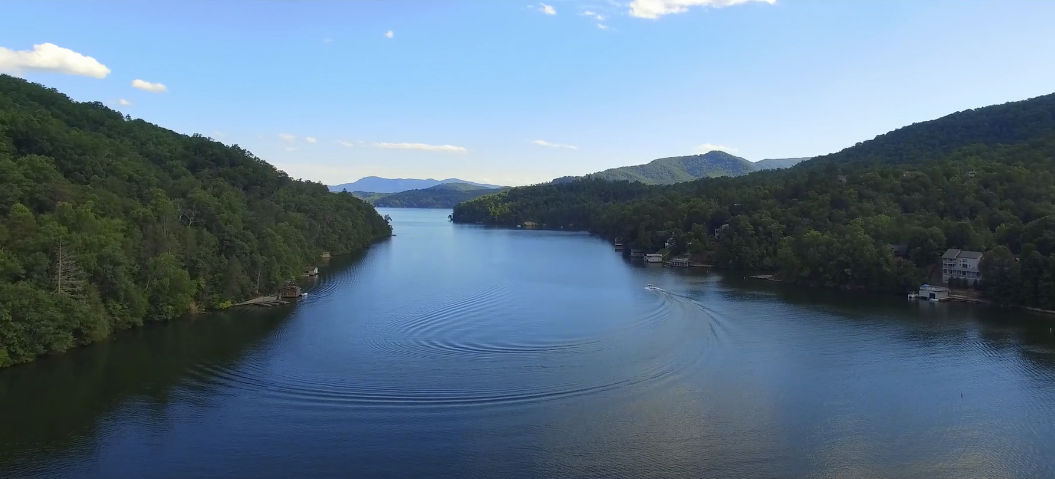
461 351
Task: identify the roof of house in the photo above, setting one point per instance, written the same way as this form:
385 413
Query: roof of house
956 254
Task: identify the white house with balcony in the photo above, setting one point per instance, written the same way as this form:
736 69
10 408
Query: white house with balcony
960 264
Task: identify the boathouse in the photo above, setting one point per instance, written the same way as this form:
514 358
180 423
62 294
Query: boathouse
680 262
653 258
289 291
933 293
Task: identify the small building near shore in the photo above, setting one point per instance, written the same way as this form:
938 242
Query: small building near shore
289 291
636 253
933 293
680 262
311 271
653 258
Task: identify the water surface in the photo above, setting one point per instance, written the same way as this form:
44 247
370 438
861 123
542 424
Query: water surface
468 352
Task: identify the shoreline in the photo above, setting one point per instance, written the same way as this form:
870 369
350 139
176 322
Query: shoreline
952 297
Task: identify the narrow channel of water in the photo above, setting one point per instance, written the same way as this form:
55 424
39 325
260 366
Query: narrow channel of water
467 352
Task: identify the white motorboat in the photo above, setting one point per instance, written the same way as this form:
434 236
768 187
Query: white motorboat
651 288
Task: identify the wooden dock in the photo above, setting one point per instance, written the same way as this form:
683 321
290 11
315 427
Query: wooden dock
264 301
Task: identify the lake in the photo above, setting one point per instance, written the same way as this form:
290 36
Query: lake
469 352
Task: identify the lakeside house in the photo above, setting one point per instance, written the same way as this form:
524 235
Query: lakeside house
962 265
311 271
653 258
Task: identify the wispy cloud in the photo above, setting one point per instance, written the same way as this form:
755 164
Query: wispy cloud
656 8
554 145
123 102
286 137
290 148
48 57
420 146
150 87
602 26
595 15
345 143
706 147
219 134
310 139
547 9
391 34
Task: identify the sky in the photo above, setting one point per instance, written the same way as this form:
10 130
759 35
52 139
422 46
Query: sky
514 93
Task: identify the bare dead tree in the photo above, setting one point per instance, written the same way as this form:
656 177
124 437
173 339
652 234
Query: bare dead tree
69 278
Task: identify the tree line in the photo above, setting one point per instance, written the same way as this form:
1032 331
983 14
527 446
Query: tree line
108 222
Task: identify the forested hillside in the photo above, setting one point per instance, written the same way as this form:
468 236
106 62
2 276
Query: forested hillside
678 169
981 180
440 196
109 222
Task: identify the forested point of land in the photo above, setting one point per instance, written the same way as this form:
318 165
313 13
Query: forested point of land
981 180
109 222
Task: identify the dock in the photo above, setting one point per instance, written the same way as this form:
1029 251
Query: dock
264 301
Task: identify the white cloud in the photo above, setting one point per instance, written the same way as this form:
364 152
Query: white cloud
706 147
547 9
150 87
419 146
345 143
554 145
310 139
595 15
123 102
286 137
656 8
48 57
390 34
602 26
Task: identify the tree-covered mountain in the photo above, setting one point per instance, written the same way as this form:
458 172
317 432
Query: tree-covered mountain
375 184
778 163
440 196
981 180
678 169
107 223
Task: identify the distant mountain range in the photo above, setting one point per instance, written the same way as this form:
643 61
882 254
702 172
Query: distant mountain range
678 169
376 184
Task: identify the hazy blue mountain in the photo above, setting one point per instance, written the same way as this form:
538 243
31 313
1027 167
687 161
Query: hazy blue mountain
376 184
778 163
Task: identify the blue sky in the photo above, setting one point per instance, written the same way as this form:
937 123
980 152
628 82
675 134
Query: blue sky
517 92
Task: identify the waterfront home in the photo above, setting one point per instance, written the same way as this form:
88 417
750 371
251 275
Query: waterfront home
618 244
653 258
311 271
962 265
933 293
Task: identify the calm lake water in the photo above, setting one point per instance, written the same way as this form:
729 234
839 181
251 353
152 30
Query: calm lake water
466 352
